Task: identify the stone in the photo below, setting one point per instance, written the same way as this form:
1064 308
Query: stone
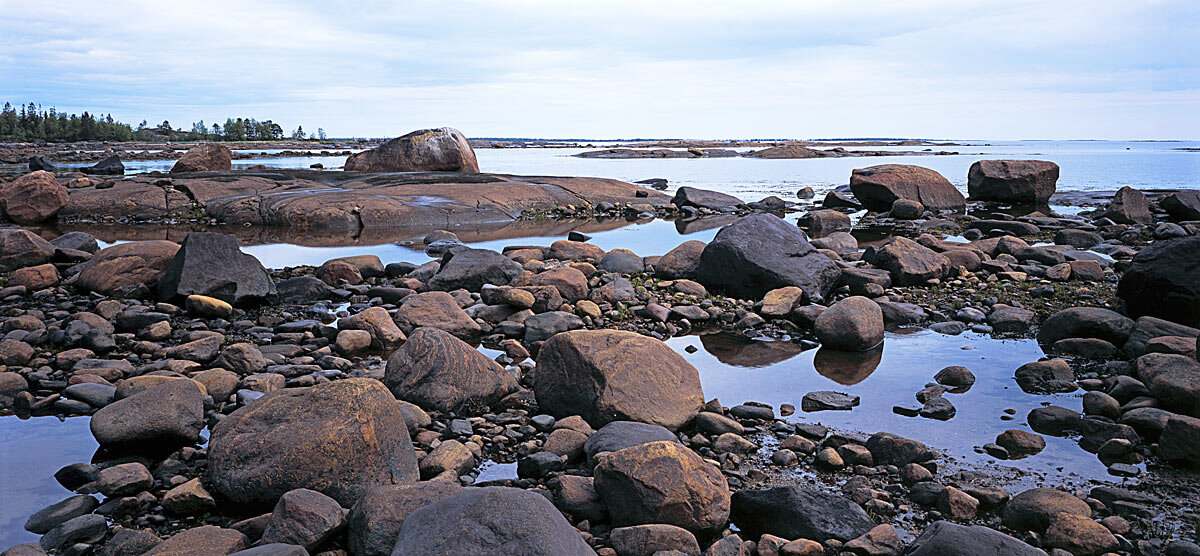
306 518
1022 182
1080 239
572 285
938 408
435 310
662 482
128 541
450 455
491 521
1020 443
761 252
1129 206
955 377
336 272
1079 535
127 265
1173 379
879 187
852 324
205 157
543 326
208 307
909 262
891 449
1043 377
354 342
34 277
1085 322
1180 440
619 435
1008 319
621 261
1182 205
470 269
58 513
383 333
241 358
945 538
881 540
187 499
88 528
612 375
1054 420
170 413
33 198
826 400
798 512
904 209
211 264
647 540
687 196
207 540
22 248
375 519
1146 329
1163 281
1034 509
442 149
339 438
110 166
273 549
680 262
302 289
126 479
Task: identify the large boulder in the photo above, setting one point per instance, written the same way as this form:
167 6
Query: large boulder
1085 322
761 252
339 438
794 512
32 198
1129 206
435 370
212 265
472 268
1149 328
427 150
110 166
680 262
171 413
127 266
375 520
852 324
1032 510
702 198
491 521
877 187
909 262
945 538
1182 205
436 310
22 248
1164 281
207 157
1173 379
619 435
1025 182
662 482
1180 440
615 375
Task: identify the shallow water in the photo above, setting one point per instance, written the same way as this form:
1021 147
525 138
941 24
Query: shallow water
30 452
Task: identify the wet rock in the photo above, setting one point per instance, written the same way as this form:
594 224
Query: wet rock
611 375
879 187
662 482
385 336
306 518
127 267
1054 420
340 438
619 435
1085 322
126 479
852 324
1024 182
436 310
58 513
205 157
375 520
826 400
302 289
1081 239
170 413
957 504
212 265
680 262
1019 443
839 242
1146 329
22 248
646 540
337 272
32 198
1173 379
824 222
702 198
909 262
470 269
1164 282
797 512
273 549
1129 206
944 538
207 540
938 408
489 521
1079 535
955 377
621 261
745 264
1043 377
1034 509
1007 319
129 541
442 149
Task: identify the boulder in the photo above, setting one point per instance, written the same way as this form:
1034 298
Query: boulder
339 438
41 163
1129 206
680 262
1046 377
543 326
1025 182
110 166
909 262
614 375
619 435
879 187
821 223
443 149
655 538
470 269
304 517
1182 205
761 252
890 449
1033 509
58 513
945 538
385 335
1085 322
207 540
1163 281
662 482
437 371
852 324
206 157
435 310
621 261
1146 329
375 520
33 197
794 512
687 196
571 284
212 265
22 248
127 266
491 521
1173 379
34 277
1180 440
168 414
1079 535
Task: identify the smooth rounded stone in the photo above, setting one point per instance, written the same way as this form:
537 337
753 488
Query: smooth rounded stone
304 517
491 521
1033 509
619 435
206 540
76 475
715 423
1004 318
822 222
442 149
470 269
539 465
878 188
650 539
797 512
436 370
1080 239
1043 377
1054 420
852 324
213 265
33 197
241 358
904 209
128 541
34 278
613 375
680 262
208 307
945 538
1180 440
55 514
565 443
170 413
1163 281
450 455
1099 403
752 411
1173 379
621 261
909 262
662 482
303 289
938 408
543 326
925 493
190 498
385 336
732 442
951 328
1147 421
205 157
1087 348
135 385
881 540
125 479
1022 182
435 310
1019 443
955 377
826 400
340 438
88 528
687 196
1079 535
513 297
1086 322
375 520
897 314
742 263
95 395
273 549
1146 329
891 449
126 265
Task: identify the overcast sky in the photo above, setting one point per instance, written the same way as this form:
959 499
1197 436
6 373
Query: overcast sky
1010 69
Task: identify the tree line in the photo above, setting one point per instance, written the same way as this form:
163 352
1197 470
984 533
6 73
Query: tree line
31 122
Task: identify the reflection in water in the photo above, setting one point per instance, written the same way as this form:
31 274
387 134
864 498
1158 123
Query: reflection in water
30 452
847 367
740 351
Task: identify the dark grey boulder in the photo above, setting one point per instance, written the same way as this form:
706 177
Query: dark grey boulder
1183 205
211 264
110 166
619 435
303 289
170 413
472 268
1027 182
544 325
55 514
41 163
794 512
273 549
944 538
702 198
1149 328
79 241
762 252
1085 322
375 520
1164 281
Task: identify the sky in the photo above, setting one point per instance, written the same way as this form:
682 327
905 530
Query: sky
963 69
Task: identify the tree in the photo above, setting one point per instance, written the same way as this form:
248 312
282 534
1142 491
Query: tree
321 133
299 133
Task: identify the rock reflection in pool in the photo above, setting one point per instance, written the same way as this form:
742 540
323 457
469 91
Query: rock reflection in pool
736 372
30 452
847 367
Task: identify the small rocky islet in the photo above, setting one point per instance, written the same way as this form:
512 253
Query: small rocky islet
346 409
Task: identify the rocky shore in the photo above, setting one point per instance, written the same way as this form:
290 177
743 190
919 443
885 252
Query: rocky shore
346 409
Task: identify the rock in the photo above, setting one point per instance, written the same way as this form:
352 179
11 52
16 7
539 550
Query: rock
41 163
938 408
1079 535
306 518
443 149
1180 440
126 479
1024 182
1044 377
339 438
492 521
273 549
302 289
612 375
955 377
570 282
211 264
680 262
58 513
127 265
1020 443
904 209
1146 329
208 307
890 449
435 370
170 413
543 326
1173 379
354 342
243 359
32 198
470 269
702 198
1163 281
187 499
375 520
778 303
839 242
539 465
129 541
1085 322
205 157
825 400
1182 205
88 528
1129 206
945 538
1054 420
879 187
1007 319
852 324
647 540
385 336
337 272
824 222
208 540
662 482
619 435
909 262
797 512
110 166
621 261
22 248
1080 239
1034 509
34 277
742 261
435 310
